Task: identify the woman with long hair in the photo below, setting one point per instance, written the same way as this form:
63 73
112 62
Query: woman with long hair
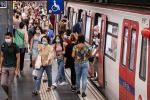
69 60
81 53
34 44
59 49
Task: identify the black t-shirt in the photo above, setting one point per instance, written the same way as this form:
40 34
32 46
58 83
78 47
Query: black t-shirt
9 54
68 55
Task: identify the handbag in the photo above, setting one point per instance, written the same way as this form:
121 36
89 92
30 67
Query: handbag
38 62
36 73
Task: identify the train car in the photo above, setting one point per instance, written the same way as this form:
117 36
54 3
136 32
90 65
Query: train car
124 55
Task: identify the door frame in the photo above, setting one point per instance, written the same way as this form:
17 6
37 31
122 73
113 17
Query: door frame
101 59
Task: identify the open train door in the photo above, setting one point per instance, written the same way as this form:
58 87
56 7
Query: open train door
127 66
101 80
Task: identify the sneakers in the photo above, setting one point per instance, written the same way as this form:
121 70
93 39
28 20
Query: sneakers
73 88
83 94
63 83
54 85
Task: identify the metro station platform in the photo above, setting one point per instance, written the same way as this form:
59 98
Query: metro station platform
22 88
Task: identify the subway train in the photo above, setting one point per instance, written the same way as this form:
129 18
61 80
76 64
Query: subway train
124 56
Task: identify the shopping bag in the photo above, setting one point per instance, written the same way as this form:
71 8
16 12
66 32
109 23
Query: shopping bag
38 62
35 73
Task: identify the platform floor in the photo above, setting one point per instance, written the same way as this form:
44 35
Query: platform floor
22 88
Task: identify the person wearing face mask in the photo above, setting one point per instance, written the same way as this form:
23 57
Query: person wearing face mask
47 54
34 44
9 64
60 50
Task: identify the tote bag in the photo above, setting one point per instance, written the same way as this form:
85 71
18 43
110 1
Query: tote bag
38 62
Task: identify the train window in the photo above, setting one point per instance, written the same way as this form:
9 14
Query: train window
80 14
125 41
111 47
111 41
112 28
88 29
99 22
143 60
74 18
68 12
132 49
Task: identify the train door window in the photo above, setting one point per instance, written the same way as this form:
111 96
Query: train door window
68 12
111 40
74 18
80 14
88 29
143 61
71 17
132 49
125 42
99 22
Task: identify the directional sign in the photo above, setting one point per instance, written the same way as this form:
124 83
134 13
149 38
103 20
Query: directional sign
3 4
55 6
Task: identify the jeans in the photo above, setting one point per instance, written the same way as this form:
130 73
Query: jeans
60 73
81 71
48 70
7 79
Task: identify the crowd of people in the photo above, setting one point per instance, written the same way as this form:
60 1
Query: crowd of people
34 33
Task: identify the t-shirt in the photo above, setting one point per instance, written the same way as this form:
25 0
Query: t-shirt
9 53
68 55
81 54
46 53
50 33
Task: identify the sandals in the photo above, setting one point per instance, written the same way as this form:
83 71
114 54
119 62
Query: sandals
35 93
48 89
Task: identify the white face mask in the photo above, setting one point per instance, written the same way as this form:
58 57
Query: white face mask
65 36
8 40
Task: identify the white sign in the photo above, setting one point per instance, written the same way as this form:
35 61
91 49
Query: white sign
3 4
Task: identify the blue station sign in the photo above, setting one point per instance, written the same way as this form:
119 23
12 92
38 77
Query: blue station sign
55 6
